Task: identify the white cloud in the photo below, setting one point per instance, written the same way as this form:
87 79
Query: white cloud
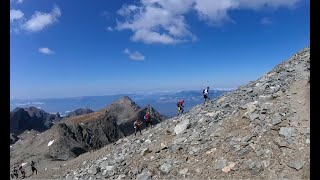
163 21
45 50
134 55
266 21
15 15
40 20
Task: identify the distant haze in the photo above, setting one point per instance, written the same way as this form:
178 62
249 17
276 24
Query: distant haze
164 102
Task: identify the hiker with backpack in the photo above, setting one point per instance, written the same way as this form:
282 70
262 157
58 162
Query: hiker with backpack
33 168
205 95
148 120
137 126
180 107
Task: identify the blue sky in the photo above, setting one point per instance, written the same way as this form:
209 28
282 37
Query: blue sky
73 48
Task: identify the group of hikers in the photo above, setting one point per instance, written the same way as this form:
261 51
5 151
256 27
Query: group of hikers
205 93
137 124
15 171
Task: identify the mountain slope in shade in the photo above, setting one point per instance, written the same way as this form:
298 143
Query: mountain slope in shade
64 141
31 118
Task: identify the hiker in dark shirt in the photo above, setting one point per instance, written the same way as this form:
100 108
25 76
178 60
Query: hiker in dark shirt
137 126
206 95
22 171
33 168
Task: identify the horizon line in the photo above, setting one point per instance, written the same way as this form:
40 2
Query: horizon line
128 93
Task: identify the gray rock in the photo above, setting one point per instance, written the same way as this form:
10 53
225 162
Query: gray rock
175 148
220 164
182 126
121 176
247 89
145 151
287 131
247 138
298 164
144 175
243 152
194 150
199 170
94 170
165 169
179 140
276 120
104 164
183 171
253 116
243 107
110 168
262 117
250 163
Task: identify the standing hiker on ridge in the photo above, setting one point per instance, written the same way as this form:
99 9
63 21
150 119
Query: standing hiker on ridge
148 120
33 168
205 95
137 126
180 107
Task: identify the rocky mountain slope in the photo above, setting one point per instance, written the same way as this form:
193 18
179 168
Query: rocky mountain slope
71 136
259 131
22 119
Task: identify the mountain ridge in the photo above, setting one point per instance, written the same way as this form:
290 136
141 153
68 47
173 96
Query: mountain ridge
259 131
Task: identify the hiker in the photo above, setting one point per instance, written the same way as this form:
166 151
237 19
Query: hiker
180 107
14 173
205 95
33 168
23 172
89 138
91 143
137 126
148 120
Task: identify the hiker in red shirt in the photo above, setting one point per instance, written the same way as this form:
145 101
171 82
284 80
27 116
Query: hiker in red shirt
180 107
147 118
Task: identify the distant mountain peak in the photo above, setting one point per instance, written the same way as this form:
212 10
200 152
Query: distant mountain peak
126 102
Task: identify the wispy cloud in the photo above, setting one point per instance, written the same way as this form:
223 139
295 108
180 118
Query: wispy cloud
109 28
106 14
15 15
16 1
40 20
45 50
266 21
134 55
163 21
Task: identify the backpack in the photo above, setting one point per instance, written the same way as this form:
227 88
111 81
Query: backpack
203 91
178 104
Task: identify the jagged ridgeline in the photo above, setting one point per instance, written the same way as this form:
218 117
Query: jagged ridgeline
69 137
259 131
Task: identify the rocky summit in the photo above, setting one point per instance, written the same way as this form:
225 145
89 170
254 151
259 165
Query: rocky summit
259 131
